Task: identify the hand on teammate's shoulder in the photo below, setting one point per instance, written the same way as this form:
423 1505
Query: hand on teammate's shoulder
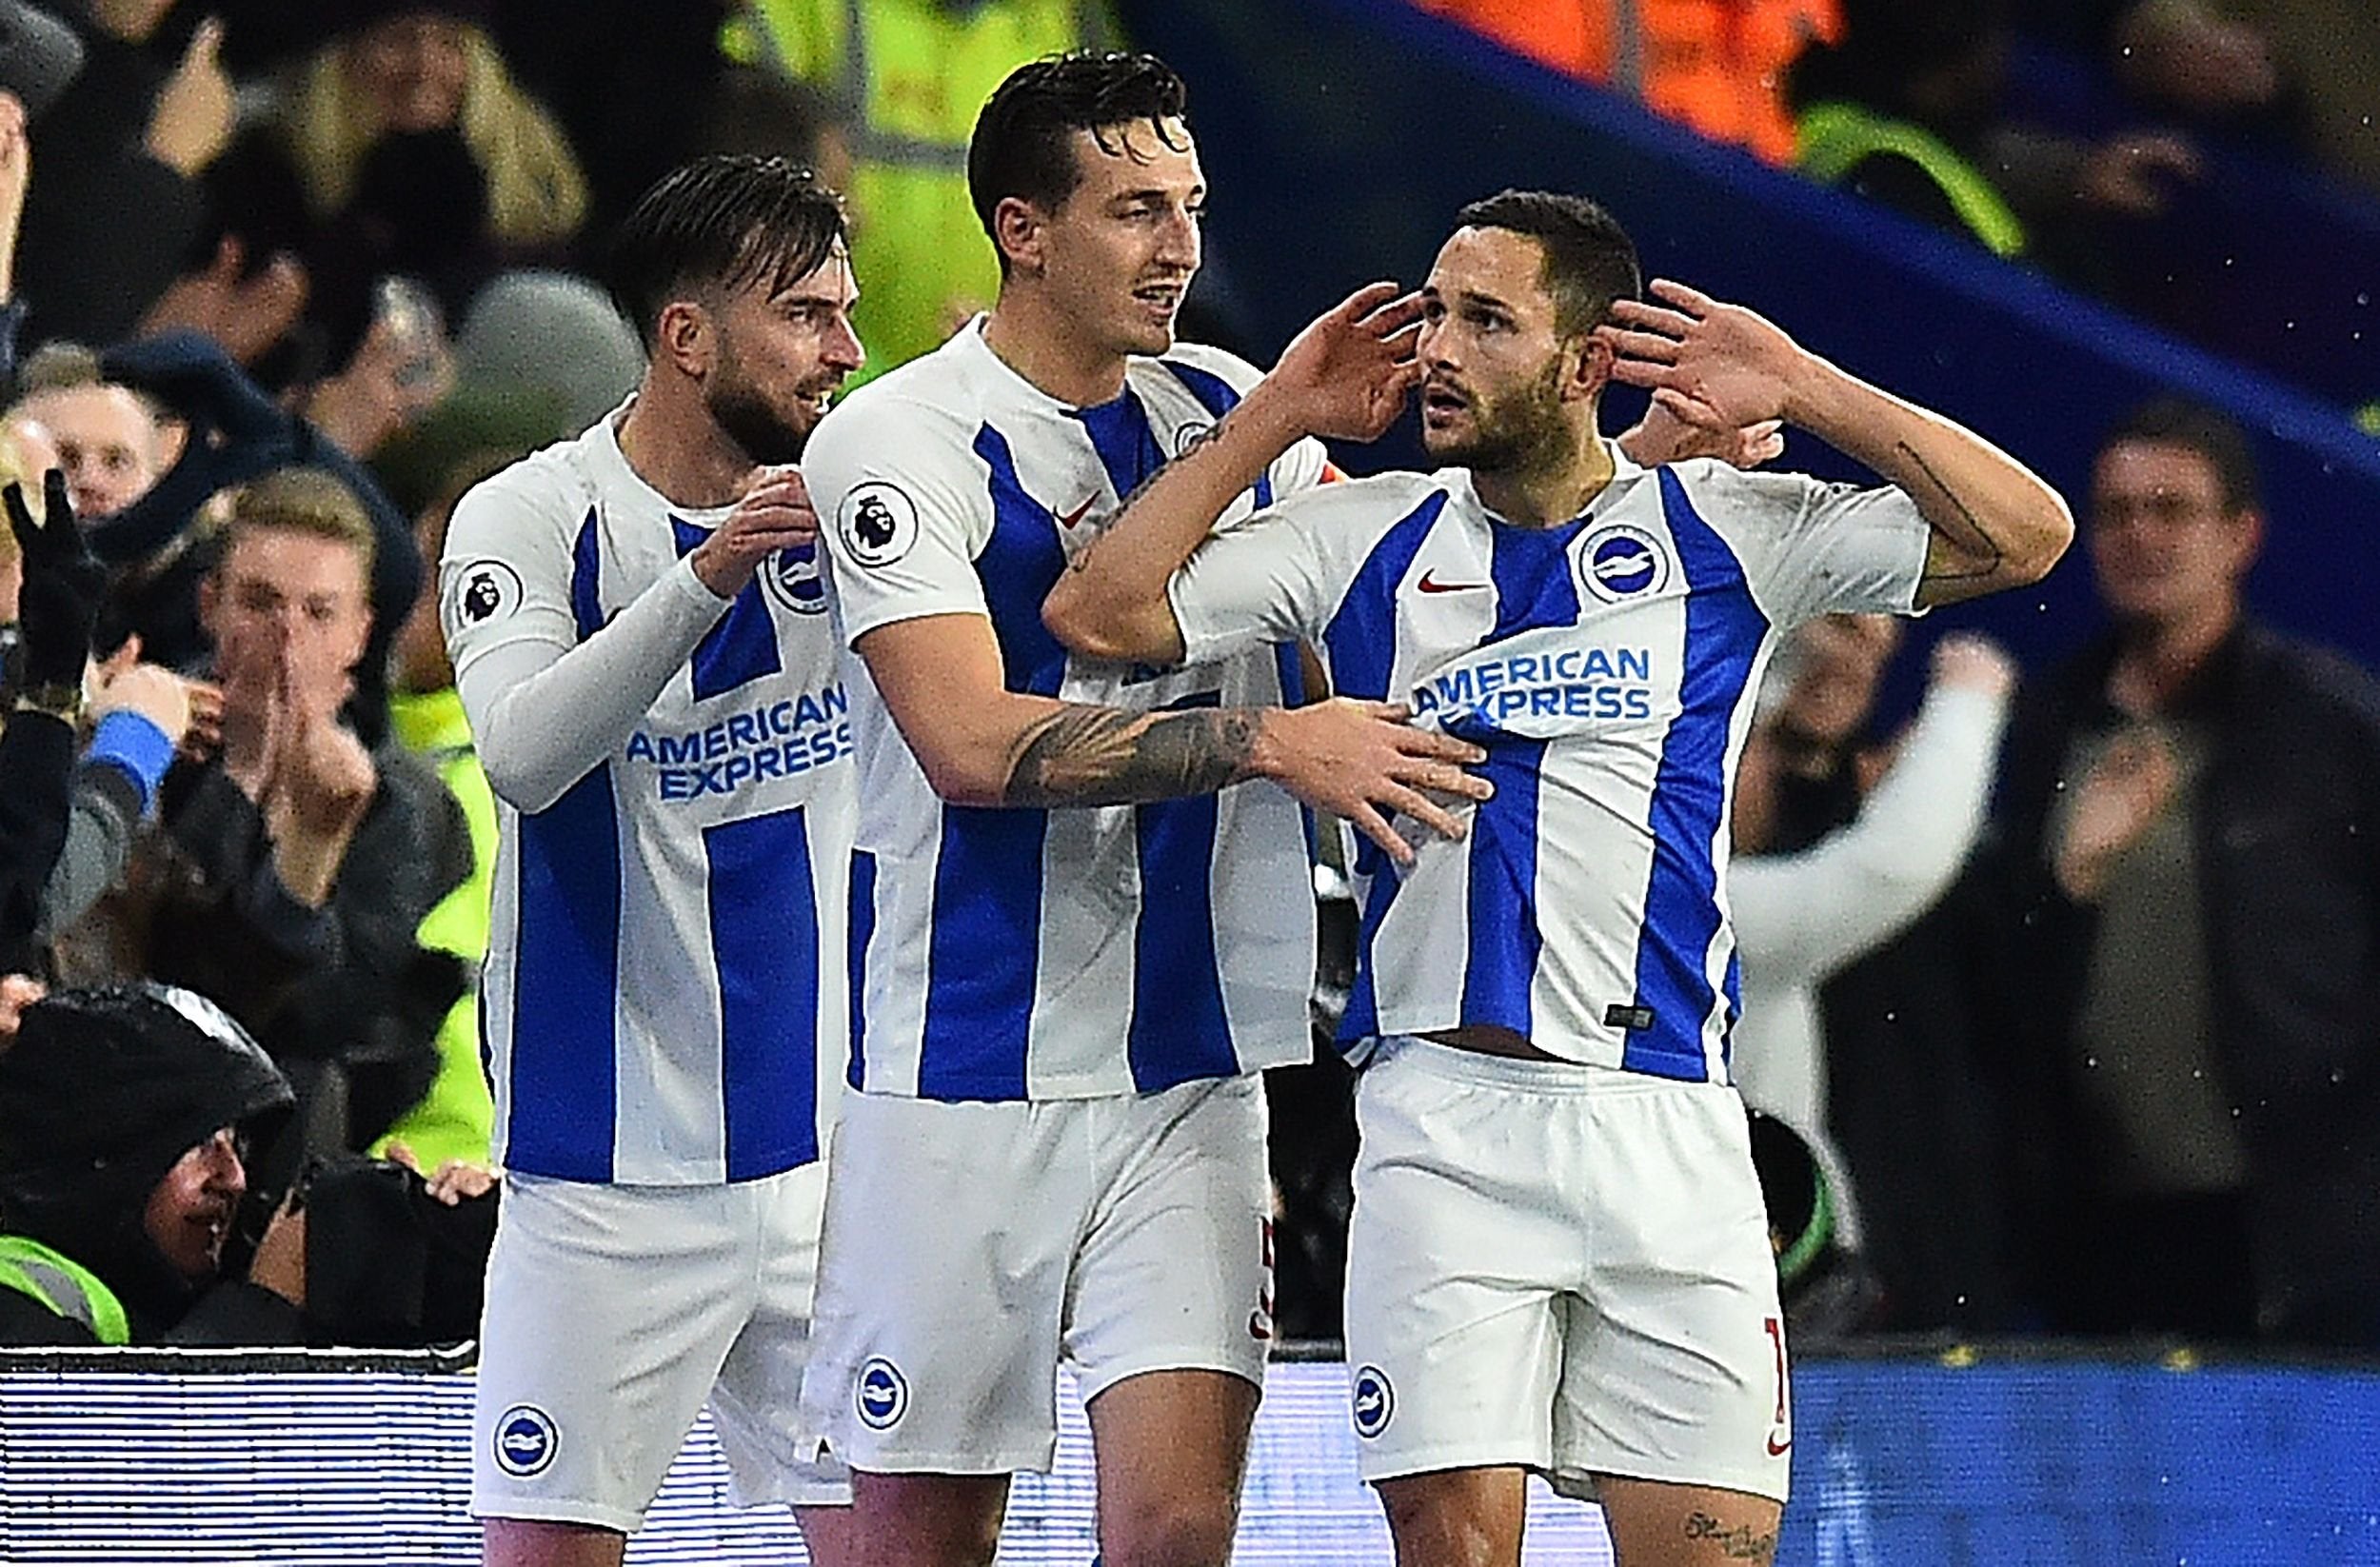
773 514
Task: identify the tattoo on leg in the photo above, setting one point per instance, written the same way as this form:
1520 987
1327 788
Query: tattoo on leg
1740 1543
1980 543
1101 756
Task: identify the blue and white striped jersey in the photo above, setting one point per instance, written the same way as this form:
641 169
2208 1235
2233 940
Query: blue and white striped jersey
1609 666
1049 954
663 999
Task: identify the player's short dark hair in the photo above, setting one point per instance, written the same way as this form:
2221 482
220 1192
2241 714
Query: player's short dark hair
725 221
1023 140
2199 428
1590 261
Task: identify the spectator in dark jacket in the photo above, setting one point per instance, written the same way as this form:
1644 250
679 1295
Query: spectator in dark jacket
2187 898
295 866
236 434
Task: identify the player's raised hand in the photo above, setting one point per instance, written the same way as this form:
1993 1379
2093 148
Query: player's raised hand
1718 368
1363 761
774 514
1349 372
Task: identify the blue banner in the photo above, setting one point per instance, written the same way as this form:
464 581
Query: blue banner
204 1460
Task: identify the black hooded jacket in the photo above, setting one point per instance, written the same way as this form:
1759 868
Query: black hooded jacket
101 1093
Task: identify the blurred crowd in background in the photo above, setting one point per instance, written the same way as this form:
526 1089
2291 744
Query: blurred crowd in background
2053 997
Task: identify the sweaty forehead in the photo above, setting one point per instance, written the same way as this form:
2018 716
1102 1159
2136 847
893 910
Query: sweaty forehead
830 279
1495 262
1132 156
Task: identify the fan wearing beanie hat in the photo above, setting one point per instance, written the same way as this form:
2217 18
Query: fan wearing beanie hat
123 1116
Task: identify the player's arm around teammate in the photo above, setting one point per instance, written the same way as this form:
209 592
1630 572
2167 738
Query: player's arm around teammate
982 745
1348 373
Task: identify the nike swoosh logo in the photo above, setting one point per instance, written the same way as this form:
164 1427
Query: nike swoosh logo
1071 518
1429 583
1778 1449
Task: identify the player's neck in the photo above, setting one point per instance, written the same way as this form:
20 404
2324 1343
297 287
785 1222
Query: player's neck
1049 349
672 442
1547 497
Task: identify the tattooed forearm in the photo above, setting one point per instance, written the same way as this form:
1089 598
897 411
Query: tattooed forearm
1982 554
1099 756
1740 1543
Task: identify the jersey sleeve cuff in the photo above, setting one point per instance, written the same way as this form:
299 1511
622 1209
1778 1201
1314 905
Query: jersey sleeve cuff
1200 643
908 607
693 590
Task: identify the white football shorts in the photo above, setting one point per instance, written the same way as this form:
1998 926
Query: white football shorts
614 1314
1563 1268
969 1248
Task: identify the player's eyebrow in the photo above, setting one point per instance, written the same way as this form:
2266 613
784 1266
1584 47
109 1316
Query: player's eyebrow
1472 297
1153 193
808 293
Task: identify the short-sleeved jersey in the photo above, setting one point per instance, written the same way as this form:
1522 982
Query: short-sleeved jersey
1608 666
1018 954
664 997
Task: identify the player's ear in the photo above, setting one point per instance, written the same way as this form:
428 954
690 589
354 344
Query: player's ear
1017 229
686 337
1587 366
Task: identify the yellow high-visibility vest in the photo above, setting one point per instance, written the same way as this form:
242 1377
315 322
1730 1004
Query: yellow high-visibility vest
64 1286
457 1116
1836 136
909 77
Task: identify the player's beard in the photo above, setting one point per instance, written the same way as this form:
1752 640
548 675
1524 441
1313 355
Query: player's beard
1522 431
739 407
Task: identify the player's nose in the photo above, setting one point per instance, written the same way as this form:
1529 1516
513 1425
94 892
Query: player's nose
844 351
1434 348
1178 240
